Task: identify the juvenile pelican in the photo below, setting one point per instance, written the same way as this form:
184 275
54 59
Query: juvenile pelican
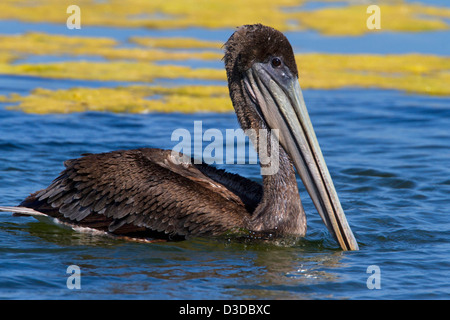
143 193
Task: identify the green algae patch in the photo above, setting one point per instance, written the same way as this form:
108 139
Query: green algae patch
282 14
132 99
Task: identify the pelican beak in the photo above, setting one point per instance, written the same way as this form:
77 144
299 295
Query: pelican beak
281 105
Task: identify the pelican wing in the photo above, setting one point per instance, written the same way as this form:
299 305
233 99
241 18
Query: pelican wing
143 191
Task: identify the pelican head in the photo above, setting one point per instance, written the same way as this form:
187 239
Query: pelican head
264 87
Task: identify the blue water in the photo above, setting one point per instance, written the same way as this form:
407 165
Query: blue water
388 153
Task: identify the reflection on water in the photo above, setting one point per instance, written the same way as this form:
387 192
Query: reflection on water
237 269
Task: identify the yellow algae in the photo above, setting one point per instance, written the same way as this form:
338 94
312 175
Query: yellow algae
410 72
153 14
194 91
280 14
42 43
424 74
6 57
392 63
151 54
111 71
351 20
133 99
176 43
49 44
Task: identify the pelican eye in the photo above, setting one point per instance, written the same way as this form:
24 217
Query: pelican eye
276 62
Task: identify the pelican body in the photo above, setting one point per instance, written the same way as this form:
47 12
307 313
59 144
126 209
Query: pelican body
143 193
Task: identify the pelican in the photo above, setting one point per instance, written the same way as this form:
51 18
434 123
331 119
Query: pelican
144 193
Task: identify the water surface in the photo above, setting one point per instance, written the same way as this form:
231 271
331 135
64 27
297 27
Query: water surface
387 151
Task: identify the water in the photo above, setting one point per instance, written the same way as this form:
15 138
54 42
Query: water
388 153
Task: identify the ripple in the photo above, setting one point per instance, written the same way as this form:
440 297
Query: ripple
396 203
10 146
364 172
397 183
363 189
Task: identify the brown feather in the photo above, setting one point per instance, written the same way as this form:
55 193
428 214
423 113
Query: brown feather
144 193
145 188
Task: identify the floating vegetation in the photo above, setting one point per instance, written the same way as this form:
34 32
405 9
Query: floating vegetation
351 20
176 43
35 43
6 57
410 72
132 99
282 14
111 71
424 74
414 73
136 60
160 14
43 43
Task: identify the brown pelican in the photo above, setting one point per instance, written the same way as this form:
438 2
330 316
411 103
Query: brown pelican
143 193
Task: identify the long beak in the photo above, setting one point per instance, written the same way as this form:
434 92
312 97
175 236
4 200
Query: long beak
281 104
